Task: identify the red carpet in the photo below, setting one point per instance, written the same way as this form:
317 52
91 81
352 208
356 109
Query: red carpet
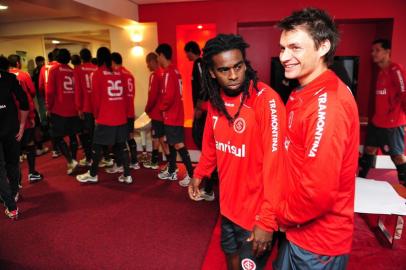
150 224
368 253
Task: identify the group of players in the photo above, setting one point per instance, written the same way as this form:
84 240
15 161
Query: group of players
281 168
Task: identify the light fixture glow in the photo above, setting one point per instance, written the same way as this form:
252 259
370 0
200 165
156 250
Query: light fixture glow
200 26
3 7
137 50
55 41
136 37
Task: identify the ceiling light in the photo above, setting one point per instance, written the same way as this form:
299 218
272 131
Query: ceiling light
55 41
200 26
3 7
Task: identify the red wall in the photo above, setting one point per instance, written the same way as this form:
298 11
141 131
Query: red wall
359 27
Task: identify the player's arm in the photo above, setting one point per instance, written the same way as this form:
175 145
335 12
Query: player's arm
51 89
208 158
153 93
96 92
24 106
171 84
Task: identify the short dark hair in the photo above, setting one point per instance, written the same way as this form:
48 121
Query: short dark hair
13 59
165 49
4 64
385 43
192 47
39 58
319 25
63 56
104 57
85 55
151 57
54 55
116 58
75 60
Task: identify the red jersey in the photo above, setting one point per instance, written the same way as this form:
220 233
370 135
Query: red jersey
390 96
109 97
83 87
43 77
29 89
60 94
322 158
154 95
248 155
172 103
129 82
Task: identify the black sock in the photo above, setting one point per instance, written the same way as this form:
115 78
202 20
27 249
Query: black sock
184 153
63 147
401 168
133 150
73 145
366 162
87 146
172 159
155 155
96 155
31 158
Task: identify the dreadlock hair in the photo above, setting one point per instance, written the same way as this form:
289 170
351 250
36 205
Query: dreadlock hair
104 57
214 46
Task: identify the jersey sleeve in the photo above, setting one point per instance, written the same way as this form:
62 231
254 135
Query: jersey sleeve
153 93
96 92
270 118
50 93
30 84
170 86
41 81
20 95
208 159
316 190
399 79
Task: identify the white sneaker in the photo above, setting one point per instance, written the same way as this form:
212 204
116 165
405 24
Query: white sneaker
165 175
135 166
150 165
55 154
115 169
185 182
86 178
72 166
106 163
84 162
42 151
205 196
125 179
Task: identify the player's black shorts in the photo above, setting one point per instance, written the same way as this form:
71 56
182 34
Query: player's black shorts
174 134
28 136
157 129
291 256
110 135
234 239
390 140
62 126
88 123
130 125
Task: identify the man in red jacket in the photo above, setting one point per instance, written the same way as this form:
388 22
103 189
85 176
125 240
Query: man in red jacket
28 140
154 112
243 137
317 208
60 102
172 110
386 130
110 109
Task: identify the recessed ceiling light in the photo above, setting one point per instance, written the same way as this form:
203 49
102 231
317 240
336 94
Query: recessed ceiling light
55 41
200 26
3 7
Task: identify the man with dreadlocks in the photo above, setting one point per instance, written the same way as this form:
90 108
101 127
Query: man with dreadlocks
317 208
243 136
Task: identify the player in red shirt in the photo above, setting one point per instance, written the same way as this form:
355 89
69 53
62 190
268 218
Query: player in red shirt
172 110
386 131
129 81
243 137
42 87
317 208
28 140
83 92
154 112
110 108
60 102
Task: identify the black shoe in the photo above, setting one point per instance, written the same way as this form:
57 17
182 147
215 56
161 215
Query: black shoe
35 177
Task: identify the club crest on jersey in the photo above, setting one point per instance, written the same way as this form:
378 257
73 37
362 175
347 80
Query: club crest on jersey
239 125
248 264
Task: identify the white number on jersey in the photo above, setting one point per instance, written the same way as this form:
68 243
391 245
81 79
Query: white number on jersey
215 118
68 83
114 88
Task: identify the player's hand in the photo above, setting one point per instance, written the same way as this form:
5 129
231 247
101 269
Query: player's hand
20 132
261 241
194 189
